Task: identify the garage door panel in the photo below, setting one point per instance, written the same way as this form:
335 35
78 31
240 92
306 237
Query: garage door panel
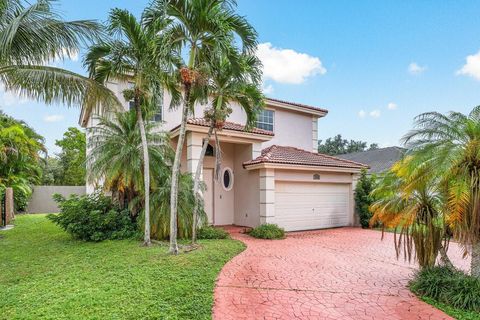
304 206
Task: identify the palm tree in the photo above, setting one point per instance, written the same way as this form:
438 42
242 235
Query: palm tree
228 82
116 156
132 56
34 35
199 26
450 146
414 208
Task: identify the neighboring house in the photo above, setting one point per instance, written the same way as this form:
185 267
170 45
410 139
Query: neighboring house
379 160
271 173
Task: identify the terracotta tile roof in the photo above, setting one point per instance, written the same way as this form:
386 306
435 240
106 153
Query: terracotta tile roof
228 126
295 156
298 105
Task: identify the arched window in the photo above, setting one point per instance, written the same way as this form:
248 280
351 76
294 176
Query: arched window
210 151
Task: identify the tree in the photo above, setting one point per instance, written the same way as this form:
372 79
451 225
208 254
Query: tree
116 155
337 145
72 157
199 26
131 56
414 208
228 82
20 157
449 146
363 198
34 35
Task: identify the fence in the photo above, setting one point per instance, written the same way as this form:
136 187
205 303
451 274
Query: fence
42 201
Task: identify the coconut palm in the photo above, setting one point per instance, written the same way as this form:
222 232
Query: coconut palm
414 209
34 35
199 26
132 56
116 156
228 82
450 145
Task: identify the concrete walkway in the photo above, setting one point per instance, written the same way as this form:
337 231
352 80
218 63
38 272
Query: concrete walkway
346 273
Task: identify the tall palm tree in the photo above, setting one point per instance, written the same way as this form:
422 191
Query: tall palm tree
228 82
414 207
199 26
34 35
116 156
450 145
132 56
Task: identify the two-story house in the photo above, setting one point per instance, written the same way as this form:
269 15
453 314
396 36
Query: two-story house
270 174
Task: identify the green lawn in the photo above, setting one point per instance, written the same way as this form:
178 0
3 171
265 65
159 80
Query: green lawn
45 274
453 312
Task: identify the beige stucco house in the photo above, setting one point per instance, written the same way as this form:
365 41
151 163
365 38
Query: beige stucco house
270 174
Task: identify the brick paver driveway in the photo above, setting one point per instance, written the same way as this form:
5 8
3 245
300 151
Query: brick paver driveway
345 273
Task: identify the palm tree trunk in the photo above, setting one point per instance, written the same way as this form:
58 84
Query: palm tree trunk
196 182
475 263
175 174
146 173
444 259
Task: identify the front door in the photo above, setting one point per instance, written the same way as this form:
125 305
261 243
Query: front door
208 194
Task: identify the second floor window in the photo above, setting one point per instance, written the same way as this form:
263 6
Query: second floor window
157 117
265 120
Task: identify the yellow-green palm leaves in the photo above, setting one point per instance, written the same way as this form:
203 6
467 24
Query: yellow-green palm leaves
449 146
413 208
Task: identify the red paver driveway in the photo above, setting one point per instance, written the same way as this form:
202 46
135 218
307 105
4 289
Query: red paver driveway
346 273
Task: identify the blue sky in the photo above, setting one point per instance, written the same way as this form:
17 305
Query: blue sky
373 64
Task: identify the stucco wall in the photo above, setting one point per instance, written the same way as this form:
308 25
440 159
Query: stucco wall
42 202
247 189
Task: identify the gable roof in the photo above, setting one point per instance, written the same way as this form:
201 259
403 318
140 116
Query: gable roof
202 122
301 106
379 160
295 156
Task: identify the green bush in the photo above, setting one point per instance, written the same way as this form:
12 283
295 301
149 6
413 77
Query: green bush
451 287
363 199
210 232
93 218
268 231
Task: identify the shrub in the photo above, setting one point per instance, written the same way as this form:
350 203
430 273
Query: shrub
451 287
268 231
93 218
210 232
363 199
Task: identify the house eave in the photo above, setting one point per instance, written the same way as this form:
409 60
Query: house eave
302 167
226 135
316 112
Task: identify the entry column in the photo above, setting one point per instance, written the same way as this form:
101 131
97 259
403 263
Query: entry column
267 196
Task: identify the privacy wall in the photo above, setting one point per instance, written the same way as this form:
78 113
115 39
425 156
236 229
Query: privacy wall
42 201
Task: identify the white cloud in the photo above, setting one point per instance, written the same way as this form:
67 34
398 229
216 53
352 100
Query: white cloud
267 89
392 106
9 98
362 113
53 118
375 113
414 68
68 54
471 67
287 65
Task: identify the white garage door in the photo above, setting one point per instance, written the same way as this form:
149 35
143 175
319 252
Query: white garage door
306 206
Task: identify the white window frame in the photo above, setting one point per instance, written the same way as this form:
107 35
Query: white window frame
261 122
232 179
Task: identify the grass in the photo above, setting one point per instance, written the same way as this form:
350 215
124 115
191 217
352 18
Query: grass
453 312
45 274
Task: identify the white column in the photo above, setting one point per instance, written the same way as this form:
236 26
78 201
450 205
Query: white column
267 196
256 149
194 148
315 134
